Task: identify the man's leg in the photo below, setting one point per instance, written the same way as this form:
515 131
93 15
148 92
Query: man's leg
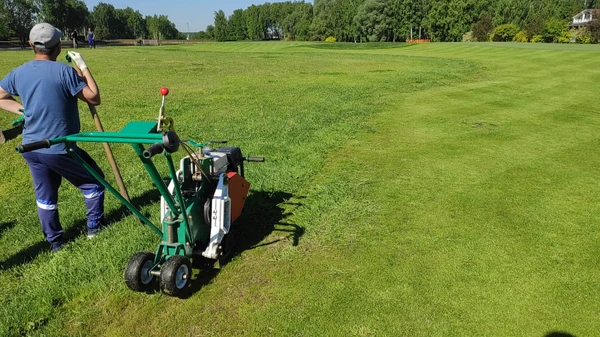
93 191
46 183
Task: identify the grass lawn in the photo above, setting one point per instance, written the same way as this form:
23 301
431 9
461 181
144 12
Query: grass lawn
409 190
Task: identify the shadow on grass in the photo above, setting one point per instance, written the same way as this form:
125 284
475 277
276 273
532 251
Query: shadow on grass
559 334
263 214
70 234
4 226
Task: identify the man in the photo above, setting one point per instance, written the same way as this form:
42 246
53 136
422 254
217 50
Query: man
49 91
91 38
74 36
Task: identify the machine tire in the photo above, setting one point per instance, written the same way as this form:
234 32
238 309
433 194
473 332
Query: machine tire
207 210
175 275
137 274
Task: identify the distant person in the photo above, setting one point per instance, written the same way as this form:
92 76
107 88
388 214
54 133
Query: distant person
91 38
74 37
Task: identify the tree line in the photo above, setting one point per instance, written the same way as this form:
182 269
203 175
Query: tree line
18 16
341 20
399 20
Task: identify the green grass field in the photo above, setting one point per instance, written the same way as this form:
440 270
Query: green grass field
410 190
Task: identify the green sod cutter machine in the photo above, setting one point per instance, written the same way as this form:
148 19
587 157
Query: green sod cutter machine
199 204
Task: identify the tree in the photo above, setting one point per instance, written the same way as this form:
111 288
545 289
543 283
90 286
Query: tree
347 29
296 26
210 32
105 21
201 35
374 21
161 28
512 11
482 29
237 25
534 25
131 23
407 15
136 22
256 22
4 30
220 26
323 23
449 20
18 17
554 30
66 15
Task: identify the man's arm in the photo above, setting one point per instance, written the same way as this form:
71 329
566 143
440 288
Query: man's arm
90 93
8 103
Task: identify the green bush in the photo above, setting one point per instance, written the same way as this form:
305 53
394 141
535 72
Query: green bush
468 37
330 39
520 37
555 29
537 39
594 30
582 36
504 33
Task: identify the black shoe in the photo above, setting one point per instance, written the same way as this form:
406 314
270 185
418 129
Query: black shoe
56 246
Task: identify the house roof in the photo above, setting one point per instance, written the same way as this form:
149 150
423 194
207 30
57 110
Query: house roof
594 11
585 17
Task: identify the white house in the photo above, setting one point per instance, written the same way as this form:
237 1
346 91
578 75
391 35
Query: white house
584 17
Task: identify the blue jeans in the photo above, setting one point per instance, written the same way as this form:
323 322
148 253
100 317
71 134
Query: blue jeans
47 171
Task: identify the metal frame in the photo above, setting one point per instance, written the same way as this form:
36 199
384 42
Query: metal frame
176 234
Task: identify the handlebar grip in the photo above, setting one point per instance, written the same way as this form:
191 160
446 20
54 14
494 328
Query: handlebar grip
153 150
42 144
256 159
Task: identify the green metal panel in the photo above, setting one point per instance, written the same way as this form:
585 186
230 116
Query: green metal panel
139 127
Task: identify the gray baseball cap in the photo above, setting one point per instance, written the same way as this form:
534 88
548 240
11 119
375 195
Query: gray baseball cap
44 34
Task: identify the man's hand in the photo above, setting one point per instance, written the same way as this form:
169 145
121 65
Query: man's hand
77 59
21 120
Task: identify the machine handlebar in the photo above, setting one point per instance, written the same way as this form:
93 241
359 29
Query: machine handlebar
255 159
42 144
153 150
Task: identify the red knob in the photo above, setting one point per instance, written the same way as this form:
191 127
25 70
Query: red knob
164 91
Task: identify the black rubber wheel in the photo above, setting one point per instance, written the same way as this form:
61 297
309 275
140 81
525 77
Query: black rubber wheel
207 211
137 273
175 275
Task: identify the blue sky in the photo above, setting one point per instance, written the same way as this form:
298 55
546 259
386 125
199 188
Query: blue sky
198 13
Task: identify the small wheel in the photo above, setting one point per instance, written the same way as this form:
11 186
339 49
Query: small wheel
175 275
137 273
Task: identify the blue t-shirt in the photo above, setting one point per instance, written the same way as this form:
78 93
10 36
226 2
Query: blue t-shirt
47 90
